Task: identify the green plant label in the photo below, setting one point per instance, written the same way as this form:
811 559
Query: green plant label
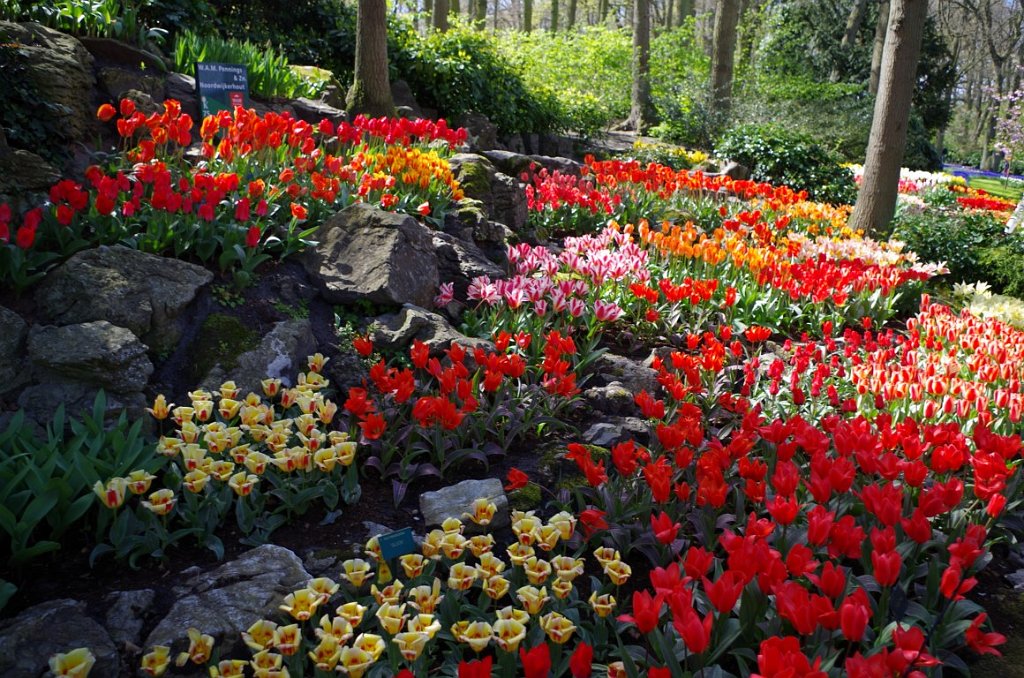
222 87
397 543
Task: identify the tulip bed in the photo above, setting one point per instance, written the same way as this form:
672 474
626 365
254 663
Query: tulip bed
813 494
253 192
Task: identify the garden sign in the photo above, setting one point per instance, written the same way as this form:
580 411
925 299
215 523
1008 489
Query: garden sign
222 87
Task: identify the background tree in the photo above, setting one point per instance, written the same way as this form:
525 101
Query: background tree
439 19
723 55
876 201
371 90
641 114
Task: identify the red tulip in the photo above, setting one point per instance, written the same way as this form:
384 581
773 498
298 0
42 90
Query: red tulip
480 668
516 479
536 662
646 611
581 661
724 593
665 530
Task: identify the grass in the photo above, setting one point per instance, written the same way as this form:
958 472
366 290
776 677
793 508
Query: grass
1011 190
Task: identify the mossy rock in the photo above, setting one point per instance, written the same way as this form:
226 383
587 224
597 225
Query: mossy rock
221 339
525 498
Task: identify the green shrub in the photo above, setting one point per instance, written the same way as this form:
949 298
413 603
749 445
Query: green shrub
782 157
1004 266
952 236
269 72
120 19
462 70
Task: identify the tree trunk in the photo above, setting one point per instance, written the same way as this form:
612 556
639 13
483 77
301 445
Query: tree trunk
554 16
669 7
527 16
876 202
571 19
479 13
723 55
853 22
371 91
641 113
440 15
602 11
685 9
878 47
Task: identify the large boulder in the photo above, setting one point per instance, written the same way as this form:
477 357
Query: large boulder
367 253
313 111
483 134
397 331
40 401
281 354
227 600
502 197
60 68
13 366
456 500
459 261
28 640
142 292
23 173
96 353
182 88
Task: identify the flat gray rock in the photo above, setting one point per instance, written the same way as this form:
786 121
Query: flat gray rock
58 626
455 500
97 353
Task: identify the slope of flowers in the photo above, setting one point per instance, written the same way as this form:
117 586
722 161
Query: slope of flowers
258 184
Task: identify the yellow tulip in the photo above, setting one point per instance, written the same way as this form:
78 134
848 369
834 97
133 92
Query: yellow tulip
160 409
326 654
509 612
618 572
317 361
111 494
352 612
288 396
160 502
426 598
265 660
203 408
195 481
222 470
271 387
491 565
242 484
323 587
301 604
566 567
389 594
518 553
565 523
496 587
261 635
476 634
155 662
452 526
423 623
182 415
193 456
410 644
606 554
412 564
372 549
533 599
325 459
391 617
325 411
200 647
547 537
481 544
603 605
257 462
74 664
228 408
338 627
306 423
453 545
354 662
537 570
346 452
431 546
169 447
526 529
508 633
483 512
461 577
289 639
561 588
558 627
189 432
229 668
369 642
